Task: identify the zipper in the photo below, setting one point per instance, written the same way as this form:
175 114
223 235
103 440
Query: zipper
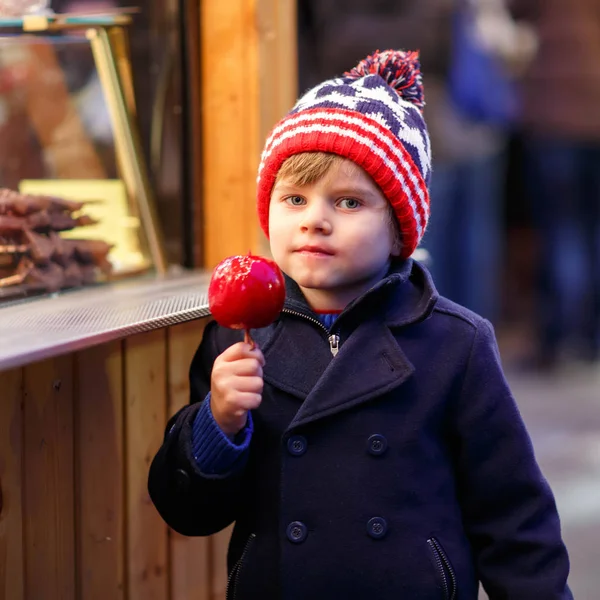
235 572
333 338
445 569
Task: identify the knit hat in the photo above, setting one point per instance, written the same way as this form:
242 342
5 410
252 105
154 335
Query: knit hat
373 117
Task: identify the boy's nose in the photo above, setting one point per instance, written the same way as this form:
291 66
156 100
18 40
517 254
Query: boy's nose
315 219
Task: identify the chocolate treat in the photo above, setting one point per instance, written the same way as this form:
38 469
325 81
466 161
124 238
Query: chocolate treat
11 224
73 275
63 252
39 221
90 251
85 220
89 274
50 276
105 266
41 247
61 204
62 221
26 204
33 256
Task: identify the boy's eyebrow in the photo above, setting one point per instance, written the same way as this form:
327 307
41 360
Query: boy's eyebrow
348 190
354 190
286 187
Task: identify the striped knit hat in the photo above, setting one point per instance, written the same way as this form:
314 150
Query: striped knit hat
371 116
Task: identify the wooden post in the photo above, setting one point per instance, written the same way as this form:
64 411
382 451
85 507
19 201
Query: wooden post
248 82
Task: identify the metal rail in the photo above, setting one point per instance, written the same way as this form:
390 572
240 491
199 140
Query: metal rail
36 329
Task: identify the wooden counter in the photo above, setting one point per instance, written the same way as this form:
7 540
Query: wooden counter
78 430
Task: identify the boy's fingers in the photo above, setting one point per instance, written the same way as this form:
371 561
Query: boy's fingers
242 350
249 384
249 400
247 366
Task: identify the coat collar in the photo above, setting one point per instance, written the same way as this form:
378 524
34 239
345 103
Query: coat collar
299 362
406 295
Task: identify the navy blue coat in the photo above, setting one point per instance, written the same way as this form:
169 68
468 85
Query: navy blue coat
400 468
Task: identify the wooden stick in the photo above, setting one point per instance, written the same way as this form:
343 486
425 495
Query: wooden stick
248 339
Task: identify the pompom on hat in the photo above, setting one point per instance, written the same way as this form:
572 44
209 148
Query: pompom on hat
373 117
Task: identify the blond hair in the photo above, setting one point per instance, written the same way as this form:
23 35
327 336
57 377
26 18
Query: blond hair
307 168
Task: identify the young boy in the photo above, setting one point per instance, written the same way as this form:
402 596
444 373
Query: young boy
369 447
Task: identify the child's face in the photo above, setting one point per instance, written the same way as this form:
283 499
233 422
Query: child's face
334 237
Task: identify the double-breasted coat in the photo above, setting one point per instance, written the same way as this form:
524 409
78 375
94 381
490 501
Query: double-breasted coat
399 468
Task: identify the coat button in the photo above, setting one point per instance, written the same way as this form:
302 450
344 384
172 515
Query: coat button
297 445
182 480
377 444
296 532
377 527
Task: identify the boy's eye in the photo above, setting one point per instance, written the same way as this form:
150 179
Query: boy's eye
350 203
295 200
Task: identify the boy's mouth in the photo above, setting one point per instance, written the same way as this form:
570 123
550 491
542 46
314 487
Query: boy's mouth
315 250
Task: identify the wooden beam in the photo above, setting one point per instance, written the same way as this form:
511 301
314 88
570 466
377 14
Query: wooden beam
248 50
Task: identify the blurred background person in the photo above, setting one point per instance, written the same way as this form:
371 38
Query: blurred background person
561 136
465 233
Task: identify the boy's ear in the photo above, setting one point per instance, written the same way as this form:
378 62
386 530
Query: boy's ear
396 248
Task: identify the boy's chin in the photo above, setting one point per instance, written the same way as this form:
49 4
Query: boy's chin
313 283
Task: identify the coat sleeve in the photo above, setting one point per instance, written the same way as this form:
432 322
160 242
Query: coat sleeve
192 502
509 510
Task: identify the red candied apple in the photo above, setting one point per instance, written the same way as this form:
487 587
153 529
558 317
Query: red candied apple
246 292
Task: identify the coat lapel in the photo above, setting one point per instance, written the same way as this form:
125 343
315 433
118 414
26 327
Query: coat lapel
369 364
296 355
370 361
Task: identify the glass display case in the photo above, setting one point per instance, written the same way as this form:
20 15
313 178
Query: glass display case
76 205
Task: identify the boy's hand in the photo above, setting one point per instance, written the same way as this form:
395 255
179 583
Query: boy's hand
236 386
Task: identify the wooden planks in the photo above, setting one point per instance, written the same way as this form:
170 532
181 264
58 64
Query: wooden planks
11 448
145 419
99 464
48 485
189 557
77 434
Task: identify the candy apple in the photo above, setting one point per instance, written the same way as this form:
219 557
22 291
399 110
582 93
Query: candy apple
246 292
